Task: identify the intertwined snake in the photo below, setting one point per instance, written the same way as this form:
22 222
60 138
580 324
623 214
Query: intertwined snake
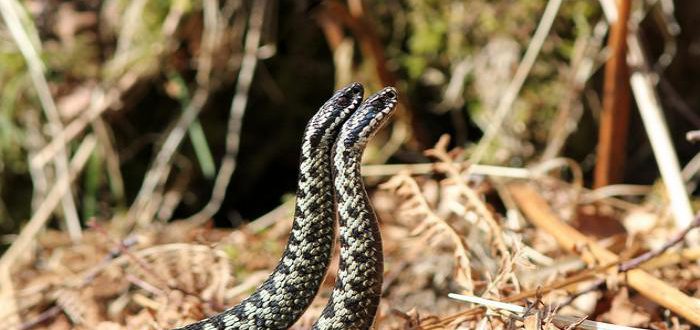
355 297
289 290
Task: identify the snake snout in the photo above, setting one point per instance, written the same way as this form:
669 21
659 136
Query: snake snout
356 88
390 92
384 102
351 95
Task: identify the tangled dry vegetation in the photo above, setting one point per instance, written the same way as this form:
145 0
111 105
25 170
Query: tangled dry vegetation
444 231
467 245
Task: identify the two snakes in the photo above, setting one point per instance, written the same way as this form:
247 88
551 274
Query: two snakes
332 147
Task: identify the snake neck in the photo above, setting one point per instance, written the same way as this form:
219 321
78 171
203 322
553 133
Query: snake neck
353 303
292 286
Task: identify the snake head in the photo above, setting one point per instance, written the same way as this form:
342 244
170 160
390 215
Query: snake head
368 119
325 124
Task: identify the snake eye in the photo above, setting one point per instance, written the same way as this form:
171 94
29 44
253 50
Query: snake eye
343 101
391 93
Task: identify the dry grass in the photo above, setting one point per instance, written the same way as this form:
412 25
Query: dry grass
467 245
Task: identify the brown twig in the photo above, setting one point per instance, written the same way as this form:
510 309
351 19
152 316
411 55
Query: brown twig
579 277
41 318
612 135
540 214
164 283
647 100
679 237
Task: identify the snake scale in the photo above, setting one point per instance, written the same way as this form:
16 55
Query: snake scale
289 290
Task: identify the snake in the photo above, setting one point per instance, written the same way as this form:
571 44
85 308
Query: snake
356 295
288 291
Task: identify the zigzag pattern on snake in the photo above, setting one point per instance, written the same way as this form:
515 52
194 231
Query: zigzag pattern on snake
353 303
291 287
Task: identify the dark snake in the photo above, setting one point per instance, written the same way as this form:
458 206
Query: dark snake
355 298
290 289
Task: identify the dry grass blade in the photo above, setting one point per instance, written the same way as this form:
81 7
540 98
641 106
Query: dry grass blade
650 109
539 213
429 168
511 93
100 102
23 241
10 11
36 223
238 107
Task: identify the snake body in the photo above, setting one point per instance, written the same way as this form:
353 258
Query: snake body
291 287
353 303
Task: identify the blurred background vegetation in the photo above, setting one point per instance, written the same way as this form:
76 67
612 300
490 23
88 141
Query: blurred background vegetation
132 75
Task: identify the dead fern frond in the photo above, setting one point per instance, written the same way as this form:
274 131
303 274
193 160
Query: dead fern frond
456 176
431 225
414 321
80 307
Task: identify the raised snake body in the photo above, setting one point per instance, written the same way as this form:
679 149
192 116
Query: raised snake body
357 291
291 287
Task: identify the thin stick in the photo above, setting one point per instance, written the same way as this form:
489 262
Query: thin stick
573 279
539 213
655 125
9 10
429 168
614 120
116 180
589 196
156 174
284 210
42 214
559 320
513 89
570 108
8 301
140 210
635 262
33 142
101 101
238 106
